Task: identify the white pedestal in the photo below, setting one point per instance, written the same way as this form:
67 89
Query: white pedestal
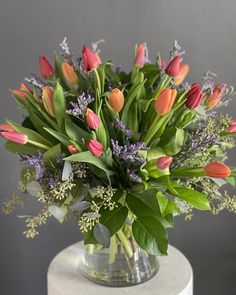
175 276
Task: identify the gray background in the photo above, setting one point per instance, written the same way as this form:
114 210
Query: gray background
28 28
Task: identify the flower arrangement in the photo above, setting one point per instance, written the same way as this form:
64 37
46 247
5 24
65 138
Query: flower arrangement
122 153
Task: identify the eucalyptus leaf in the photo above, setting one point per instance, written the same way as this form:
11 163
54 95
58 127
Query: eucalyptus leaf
58 212
33 188
102 235
80 206
92 215
67 170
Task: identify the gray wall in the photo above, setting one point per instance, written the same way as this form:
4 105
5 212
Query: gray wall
28 28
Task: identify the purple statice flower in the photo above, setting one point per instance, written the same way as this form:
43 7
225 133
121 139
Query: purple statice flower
36 81
37 162
120 125
176 50
60 157
129 152
133 176
67 53
78 108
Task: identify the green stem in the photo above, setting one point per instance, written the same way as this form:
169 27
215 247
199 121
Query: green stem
90 248
113 250
152 129
125 243
98 82
43 146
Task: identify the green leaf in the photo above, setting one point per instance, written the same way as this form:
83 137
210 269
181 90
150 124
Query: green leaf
102 235
150 235
172 140
75 132
142 208
114 219
195 198
59 106
166 205
231 181
87 157
26 149
60 136
51 154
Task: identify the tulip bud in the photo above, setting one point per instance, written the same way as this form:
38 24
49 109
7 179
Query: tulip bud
215 97
183 71
231 129
72 149
92 119
91 59
164 162
16 137
7 127
116 100
95 148
47 98
21 93
233 122
217 170
165 100
69 73
173 68
140 57
194 96
46 69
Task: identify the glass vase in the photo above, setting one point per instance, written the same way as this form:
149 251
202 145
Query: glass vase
124 263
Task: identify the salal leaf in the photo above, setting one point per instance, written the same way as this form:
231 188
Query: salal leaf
59 106
33 188
150 235
102 235
114 219
193 197
58 212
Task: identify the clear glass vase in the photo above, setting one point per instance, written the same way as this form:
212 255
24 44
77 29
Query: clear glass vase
123 264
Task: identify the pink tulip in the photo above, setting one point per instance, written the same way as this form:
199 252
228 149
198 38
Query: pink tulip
92 119
233 122
164 162
140 57
46 69
95 148
21 93
173 67
72 149
16 137
7 127
194 96
91 59
231 129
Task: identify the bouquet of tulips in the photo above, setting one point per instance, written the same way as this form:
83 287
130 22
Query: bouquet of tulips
122 153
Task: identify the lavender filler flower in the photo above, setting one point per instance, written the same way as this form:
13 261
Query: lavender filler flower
78 108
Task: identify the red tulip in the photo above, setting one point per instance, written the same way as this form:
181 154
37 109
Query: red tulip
140 55
46 69
92 119
173 67
72 149
215 97
7 127
194 96
165 100
116 100
164 162
95 147
69 73
16 137
91 59
183 71
217 170
47 98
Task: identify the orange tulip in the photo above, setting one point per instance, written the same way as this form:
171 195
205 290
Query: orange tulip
69 73
217 170
47 98
116 100
183 71
165 100
215 97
